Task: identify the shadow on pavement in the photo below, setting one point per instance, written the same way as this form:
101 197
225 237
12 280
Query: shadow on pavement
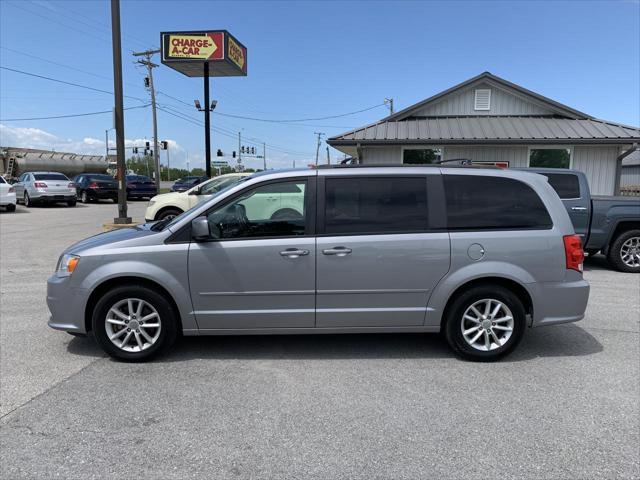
554 341
597 262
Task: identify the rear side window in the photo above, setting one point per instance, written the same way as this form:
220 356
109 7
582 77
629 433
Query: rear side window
565 185
493 203
50 176
375 205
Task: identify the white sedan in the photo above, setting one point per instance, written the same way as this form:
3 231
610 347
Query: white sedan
169 205
7 195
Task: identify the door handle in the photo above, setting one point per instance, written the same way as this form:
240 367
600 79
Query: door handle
294 252
337 251
579 209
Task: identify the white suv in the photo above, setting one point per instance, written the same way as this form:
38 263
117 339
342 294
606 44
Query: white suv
169 205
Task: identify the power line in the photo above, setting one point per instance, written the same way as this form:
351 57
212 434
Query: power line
67 116
65 82
278 120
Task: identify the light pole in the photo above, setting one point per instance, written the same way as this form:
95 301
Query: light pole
207 123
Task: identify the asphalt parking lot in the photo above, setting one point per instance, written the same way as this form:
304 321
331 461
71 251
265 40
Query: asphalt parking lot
565 405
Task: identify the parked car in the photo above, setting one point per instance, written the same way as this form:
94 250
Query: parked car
91 187
169 205
610 225
45 187
7 195
476 253
185 183
140 186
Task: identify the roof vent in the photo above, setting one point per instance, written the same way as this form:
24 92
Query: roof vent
483 99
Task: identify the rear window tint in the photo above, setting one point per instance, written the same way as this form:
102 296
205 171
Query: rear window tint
49 176
565 185
102 178
493 203
375 205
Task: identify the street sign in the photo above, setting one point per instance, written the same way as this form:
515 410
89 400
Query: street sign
219 163
187 51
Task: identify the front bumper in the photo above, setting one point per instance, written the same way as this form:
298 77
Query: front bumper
559 302
66 304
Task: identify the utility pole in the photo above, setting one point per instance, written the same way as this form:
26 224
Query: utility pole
264 154
150 66
389 101
319 134
106 143
239 150
328 157
119 112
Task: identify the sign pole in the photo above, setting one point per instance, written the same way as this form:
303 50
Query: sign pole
207 122
119 112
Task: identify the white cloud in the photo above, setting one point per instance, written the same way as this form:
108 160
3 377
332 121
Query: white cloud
40 139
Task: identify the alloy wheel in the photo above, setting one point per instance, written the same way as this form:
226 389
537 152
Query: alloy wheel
487 324
133 325
630 252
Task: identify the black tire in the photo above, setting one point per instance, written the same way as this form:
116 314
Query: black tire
71 203
454 322
286 214
615 253
168 322
168 213
115 200
11 207
84 197
27 200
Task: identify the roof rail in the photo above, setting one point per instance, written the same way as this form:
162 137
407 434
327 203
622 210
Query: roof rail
405 165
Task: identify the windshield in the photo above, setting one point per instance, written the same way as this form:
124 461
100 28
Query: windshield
218 184
50 176
236 180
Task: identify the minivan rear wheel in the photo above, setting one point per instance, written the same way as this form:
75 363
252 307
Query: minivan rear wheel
485 323
134 323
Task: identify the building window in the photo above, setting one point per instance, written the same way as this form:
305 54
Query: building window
550 157
421 156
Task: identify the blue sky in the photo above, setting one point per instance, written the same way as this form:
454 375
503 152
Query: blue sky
307 60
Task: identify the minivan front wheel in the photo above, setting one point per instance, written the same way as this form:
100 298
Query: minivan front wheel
134 323
485 323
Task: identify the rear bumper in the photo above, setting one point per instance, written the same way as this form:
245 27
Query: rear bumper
8 199
66 305
53 197
102 194
559 302
138 194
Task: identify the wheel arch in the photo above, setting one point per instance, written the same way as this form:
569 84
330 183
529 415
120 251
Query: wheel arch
111 283
517 288
164 209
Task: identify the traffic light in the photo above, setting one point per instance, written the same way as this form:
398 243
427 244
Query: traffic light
241 149
146 82
219 153
135 150
147 145
165 145
233 154
253 150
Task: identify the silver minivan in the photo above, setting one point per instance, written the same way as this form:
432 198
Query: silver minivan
479 254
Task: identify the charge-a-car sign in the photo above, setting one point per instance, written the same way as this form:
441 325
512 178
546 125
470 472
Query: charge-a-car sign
201 47
187 52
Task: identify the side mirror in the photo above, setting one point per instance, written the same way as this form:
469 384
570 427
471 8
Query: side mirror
201 230
195 192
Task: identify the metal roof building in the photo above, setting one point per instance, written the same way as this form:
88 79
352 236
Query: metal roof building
489 120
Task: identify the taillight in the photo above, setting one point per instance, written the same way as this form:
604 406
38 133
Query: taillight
12 189
573 252
71 185
93 185
40 185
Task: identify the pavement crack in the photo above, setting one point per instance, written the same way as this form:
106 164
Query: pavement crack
55 385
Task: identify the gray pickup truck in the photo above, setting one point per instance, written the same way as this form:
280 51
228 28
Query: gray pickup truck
610 225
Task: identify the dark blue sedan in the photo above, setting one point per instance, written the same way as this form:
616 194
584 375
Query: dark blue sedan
185 183
140 186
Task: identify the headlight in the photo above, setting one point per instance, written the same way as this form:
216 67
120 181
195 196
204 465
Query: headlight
67 264
152 203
